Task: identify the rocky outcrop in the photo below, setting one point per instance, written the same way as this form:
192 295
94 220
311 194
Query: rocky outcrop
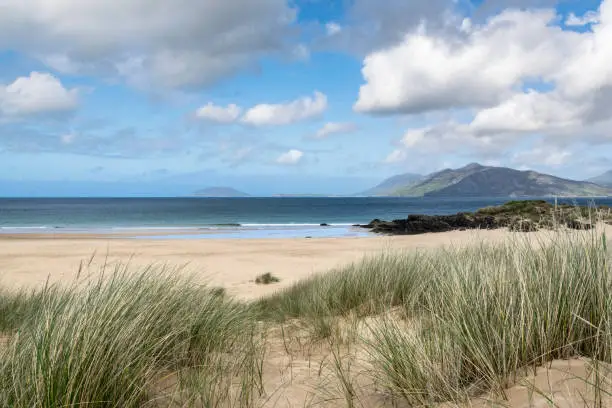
521 216
421 224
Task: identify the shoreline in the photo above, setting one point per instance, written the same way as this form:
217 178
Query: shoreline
263 231
30 262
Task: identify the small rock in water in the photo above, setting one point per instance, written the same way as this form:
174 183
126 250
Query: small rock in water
324 225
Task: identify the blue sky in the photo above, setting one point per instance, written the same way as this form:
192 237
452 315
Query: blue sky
158 97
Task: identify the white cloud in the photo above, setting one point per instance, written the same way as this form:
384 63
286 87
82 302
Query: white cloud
428 72
519 76
286 113
414 136
153 43
590 17
528 112
332 28
220 114
333 128
38 93
293 156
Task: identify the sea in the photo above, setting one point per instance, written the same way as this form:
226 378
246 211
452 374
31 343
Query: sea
197 217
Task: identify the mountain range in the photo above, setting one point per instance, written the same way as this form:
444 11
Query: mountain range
603 180
475 180
394 185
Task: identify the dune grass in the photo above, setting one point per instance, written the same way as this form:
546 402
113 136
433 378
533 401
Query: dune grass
116 341
442 326
473 319
369 286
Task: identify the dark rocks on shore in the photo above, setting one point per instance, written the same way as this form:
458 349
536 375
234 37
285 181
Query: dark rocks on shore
421 224
521 216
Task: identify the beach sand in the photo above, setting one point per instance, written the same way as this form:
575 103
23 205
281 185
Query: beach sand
29 260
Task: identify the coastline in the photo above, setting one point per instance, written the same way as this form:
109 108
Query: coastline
29 261
246 231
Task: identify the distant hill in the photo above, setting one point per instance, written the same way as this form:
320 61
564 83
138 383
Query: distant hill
475 180
393 185
603 179
220 192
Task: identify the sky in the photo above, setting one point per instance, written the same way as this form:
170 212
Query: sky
161 97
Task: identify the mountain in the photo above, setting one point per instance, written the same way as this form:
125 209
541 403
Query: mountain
475 180
603 179
392 185
220 192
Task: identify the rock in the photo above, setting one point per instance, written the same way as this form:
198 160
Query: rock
523 216
372 223
421 224
324 225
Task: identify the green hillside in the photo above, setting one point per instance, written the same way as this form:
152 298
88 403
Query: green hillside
484 181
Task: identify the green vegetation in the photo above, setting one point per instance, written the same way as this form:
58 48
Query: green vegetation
442 326
472 320
266 279
475 180
114 342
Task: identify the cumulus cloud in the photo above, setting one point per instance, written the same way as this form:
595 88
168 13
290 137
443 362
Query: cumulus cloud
219 114
286 113
427 72
36 94
291 157
333 128
517 75
148 42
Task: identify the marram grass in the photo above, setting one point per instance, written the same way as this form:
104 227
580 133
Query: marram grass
111 342
465 322
475 318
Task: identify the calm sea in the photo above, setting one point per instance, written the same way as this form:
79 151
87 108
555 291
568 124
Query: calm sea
231 217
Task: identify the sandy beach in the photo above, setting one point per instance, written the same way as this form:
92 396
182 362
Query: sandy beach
29 260
297 370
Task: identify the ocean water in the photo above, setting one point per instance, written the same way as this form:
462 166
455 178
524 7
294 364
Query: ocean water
224 217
